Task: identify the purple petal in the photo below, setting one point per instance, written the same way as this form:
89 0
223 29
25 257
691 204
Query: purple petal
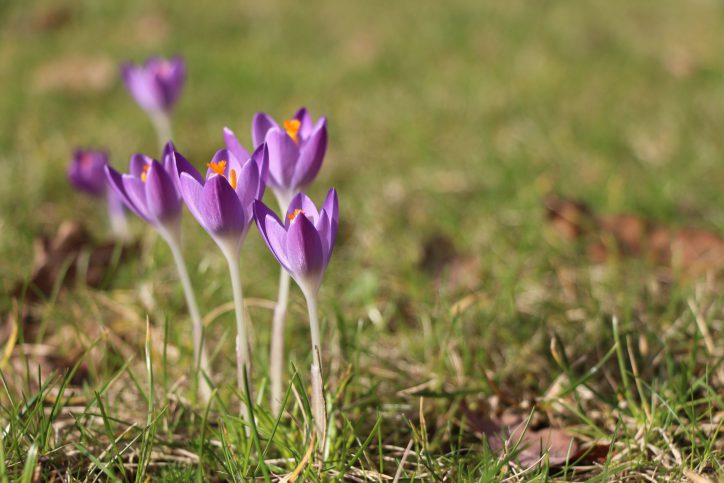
87 171
118 185
306 126
247 186
304 251
143 87
260 125
137 163
272 231
175 164
325 236
311 155
221 210
219 156
233 145
283 155
191 191
304 203
162 199
261 156
331 207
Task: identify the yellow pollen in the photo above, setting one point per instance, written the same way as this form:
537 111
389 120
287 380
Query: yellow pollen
291 126
144 175
232 178
217 167
295 214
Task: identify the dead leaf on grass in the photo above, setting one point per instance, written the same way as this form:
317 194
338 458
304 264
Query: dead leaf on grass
695 251
75 74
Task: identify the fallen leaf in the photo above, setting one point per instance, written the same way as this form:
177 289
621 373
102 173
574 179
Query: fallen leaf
58 260
441 259
695 251
513 431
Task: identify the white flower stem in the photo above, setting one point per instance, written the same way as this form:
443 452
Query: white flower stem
318 405
276 356
162 124
276 352
242 343
201 361
117 218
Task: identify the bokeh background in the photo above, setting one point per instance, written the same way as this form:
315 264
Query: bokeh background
450 122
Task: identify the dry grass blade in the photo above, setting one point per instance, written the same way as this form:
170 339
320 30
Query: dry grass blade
292 477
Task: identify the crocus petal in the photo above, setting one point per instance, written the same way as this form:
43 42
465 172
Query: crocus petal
304 203
221 210
175 164
247 185
137 163
233 145
283 155
260 125
261 156
331 207
191 190
306 126
163 202
117 184
325 236
136 193
304 252
142 87
87 171
311 155
272 231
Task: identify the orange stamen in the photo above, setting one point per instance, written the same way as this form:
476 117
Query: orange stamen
295 214
144 175
217 167
291 126
232 178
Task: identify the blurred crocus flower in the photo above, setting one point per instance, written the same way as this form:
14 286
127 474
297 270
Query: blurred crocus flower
86 173
151 191
296 151
303 245
156 87
223 205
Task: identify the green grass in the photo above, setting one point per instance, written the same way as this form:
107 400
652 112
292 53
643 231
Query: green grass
447 119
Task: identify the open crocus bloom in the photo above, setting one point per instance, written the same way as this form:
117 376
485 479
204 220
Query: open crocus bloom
223 202
296 150
303 243
156 85
150 189
87 171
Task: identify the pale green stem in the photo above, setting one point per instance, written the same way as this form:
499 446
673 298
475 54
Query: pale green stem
117 218
318 408
243 363
276 355
201 361
162 124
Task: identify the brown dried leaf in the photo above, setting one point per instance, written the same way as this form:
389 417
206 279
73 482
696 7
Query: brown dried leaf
695 251
59 257
75 74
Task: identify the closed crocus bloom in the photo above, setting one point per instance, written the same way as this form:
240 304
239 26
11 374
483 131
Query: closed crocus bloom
157 84
296 150
87 171
303 243
223 205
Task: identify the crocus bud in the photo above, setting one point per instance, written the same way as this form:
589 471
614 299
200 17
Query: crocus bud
157 84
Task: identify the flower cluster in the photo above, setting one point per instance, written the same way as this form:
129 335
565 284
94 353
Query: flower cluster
225 201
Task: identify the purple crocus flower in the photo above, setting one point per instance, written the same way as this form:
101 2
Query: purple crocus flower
223 202
296 150
152 191
86 173
156 85
303 243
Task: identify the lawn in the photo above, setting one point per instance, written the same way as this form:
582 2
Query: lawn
454 302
